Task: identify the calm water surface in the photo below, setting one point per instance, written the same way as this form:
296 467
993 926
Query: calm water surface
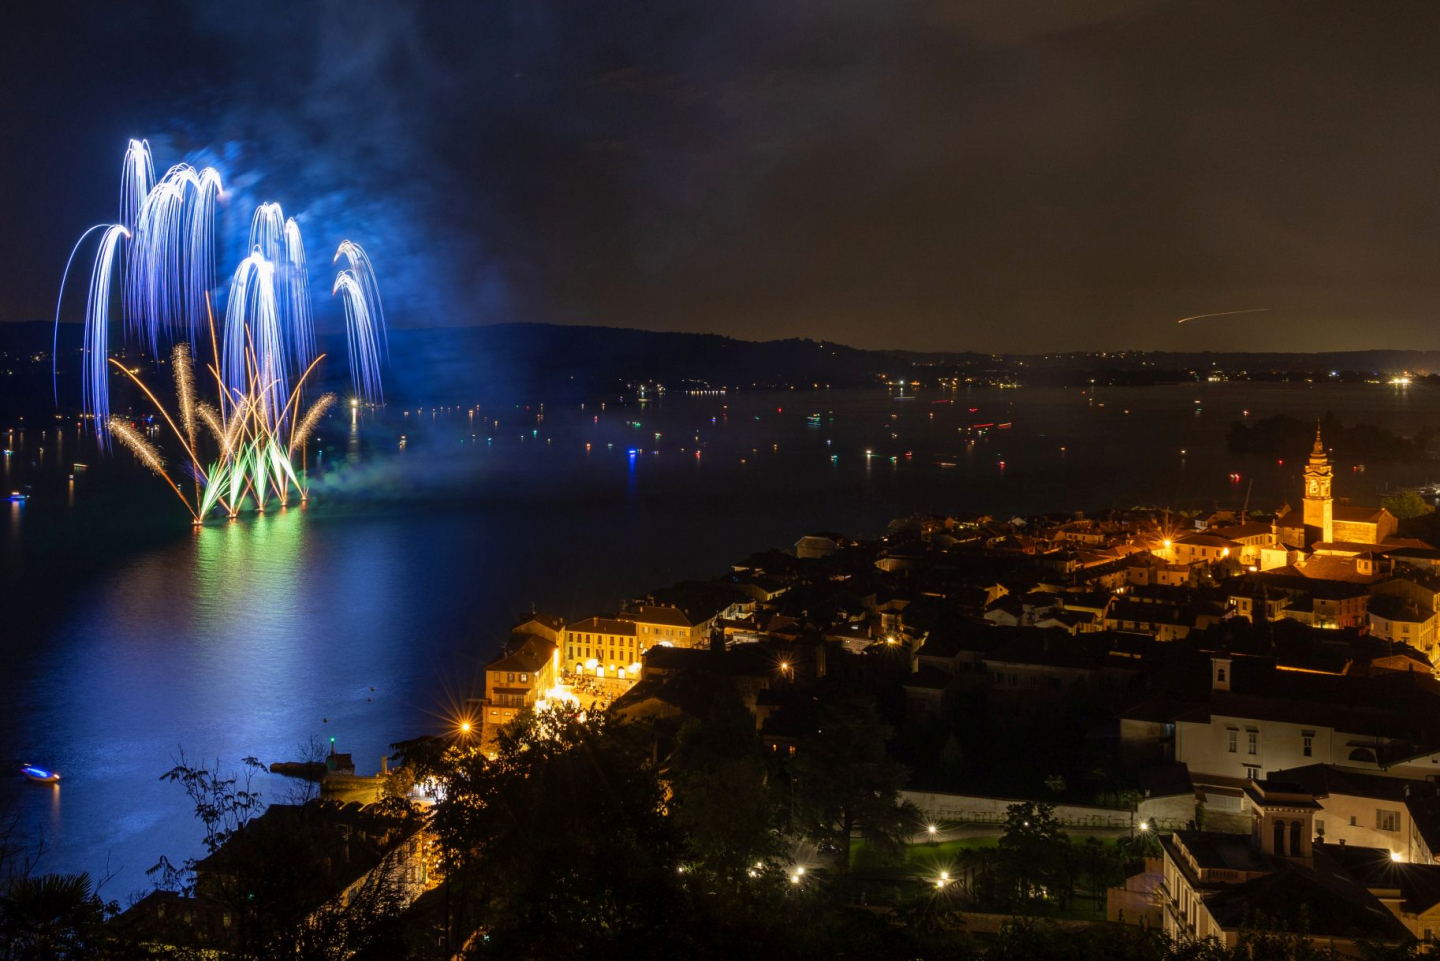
128 636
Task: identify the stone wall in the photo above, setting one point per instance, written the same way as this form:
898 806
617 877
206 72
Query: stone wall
1167 814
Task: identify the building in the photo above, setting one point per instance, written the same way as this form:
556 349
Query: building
822 544
1363 810
1205 548
1322 519
1032 669
514 681
1214 884
549 626
1261 719
662 624
1400 619
603 647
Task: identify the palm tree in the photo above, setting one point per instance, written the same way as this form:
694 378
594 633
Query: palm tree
48 916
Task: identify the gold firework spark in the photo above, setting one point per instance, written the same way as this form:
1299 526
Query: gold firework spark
185 388
211 417
306 427
143 450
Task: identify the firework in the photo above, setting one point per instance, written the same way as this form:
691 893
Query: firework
185 388
306 426
143 450
160 259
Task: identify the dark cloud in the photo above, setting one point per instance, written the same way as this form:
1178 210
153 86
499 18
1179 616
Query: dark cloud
923 173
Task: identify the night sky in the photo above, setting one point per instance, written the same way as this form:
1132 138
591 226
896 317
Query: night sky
950 174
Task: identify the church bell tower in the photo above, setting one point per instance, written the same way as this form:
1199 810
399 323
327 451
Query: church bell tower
1319 505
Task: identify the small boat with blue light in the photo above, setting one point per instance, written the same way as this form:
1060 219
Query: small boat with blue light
40 774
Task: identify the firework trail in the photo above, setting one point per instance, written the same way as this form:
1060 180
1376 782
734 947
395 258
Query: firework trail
363 344
185 388
212 420
254 344
95 386
307 424
59 301
172 261
143 450
136 179
364 271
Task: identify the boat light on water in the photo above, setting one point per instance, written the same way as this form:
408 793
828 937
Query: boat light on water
40 774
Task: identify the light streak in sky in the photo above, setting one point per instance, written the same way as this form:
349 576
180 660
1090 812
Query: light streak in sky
160 260
95 386
364 345
1224 313
364 271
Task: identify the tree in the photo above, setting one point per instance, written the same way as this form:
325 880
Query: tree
844 782
1034 848
725 801
50 916
560 842
1406 505
279 874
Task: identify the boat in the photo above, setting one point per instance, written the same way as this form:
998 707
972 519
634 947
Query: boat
40 775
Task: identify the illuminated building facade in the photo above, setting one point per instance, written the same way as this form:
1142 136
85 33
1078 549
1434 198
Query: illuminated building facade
604 647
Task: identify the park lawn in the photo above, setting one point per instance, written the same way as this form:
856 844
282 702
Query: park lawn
1083 908
922 856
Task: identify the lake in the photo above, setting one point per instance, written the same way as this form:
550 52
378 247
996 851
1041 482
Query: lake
129 636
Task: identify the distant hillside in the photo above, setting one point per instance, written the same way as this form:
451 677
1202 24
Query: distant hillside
545 362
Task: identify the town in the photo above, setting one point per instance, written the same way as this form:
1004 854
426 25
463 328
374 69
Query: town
1241 706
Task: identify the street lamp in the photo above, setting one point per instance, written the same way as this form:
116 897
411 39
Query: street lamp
930 830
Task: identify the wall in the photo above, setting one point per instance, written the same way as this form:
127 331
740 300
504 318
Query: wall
1205 747
1337 809
1166 813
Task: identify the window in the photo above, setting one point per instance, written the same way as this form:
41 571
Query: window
1353 821
510 678
1232 741
1308 746
1252 773
1387 820
1319 828
1254 743
524 678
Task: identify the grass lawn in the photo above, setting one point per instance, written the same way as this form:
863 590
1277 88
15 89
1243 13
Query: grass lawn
924 857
